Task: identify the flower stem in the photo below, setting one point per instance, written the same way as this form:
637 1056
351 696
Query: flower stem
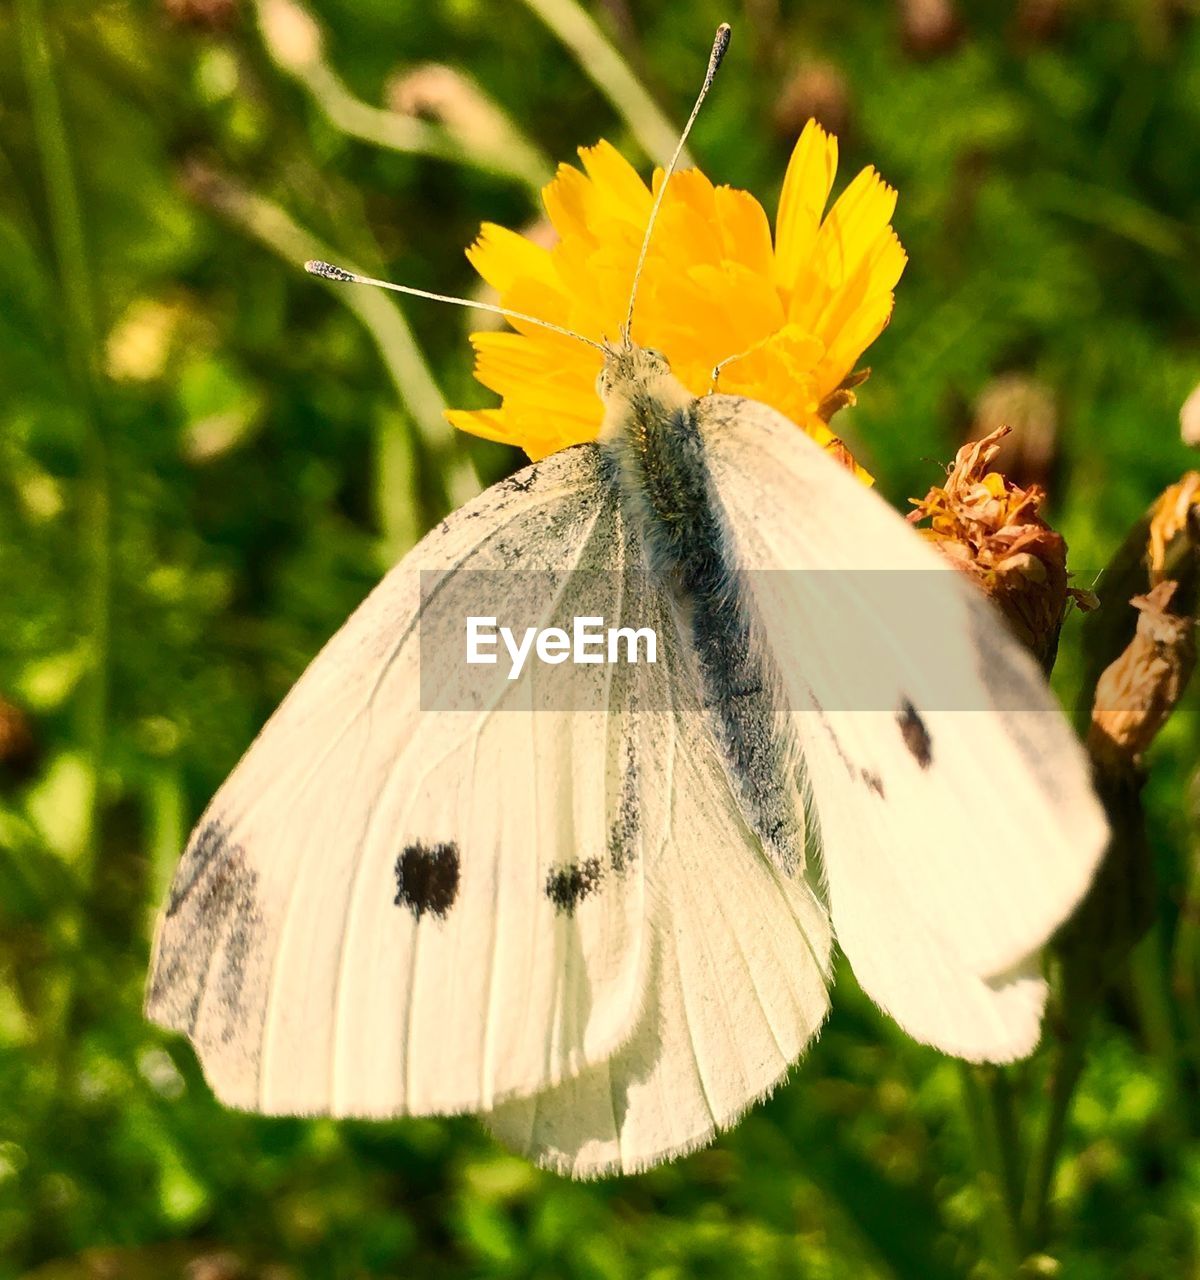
610 74
453 472
80 352
1185 959
94 507
501 149
1068 1066
1150 980
995 1142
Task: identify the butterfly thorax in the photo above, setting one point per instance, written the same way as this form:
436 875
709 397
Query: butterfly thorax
652 431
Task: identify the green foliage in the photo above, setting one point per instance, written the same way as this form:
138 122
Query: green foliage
206 459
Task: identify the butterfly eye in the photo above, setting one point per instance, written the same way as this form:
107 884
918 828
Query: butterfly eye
657 360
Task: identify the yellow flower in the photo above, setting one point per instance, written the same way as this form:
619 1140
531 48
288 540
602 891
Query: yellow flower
802 309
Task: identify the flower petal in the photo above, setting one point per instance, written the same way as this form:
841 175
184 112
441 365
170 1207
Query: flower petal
860 217
744 229
616 182
806 188
502 257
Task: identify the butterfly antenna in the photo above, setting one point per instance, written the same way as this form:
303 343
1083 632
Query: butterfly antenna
720 45
327 271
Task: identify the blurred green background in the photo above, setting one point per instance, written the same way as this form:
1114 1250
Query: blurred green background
207 458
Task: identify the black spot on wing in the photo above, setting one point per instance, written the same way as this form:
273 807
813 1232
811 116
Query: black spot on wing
427 879
212 927
566 887
869 777
915 734
625 828
207 851
873 780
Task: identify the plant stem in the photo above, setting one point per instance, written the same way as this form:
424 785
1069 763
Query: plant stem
609 72
94 516
454 471
80 349
1068 1066
498 147
1185 961
1149 975
994 1140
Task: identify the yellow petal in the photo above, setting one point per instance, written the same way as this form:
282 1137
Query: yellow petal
502 257
617 182
861 329
490 424
806 188
744 229
567 200
860 216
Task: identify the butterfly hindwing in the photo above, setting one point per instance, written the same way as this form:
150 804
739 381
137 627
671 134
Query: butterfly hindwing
737 984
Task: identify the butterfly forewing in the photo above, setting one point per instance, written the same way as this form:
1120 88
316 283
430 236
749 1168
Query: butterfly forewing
394 909
957 823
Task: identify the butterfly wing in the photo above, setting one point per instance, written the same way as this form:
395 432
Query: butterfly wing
739 964
393 905
958 827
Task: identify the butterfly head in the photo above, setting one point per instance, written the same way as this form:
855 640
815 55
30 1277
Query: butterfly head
626 365
636 384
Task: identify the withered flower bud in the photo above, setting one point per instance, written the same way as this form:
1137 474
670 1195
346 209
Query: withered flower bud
1041 19
442 94
1138 691
291 35
18 746
1027 406
202 15
1169 518
929 27
990 528
817 90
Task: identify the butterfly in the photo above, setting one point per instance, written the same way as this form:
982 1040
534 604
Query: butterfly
605 920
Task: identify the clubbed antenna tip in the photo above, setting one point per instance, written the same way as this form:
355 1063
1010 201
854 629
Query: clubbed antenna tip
719 46
327 271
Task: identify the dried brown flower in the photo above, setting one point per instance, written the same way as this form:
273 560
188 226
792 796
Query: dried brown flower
1138 691
817 90
1169 518
202 15
929 27
990 528
1026 405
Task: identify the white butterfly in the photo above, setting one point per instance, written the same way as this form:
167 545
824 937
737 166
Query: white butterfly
608 930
